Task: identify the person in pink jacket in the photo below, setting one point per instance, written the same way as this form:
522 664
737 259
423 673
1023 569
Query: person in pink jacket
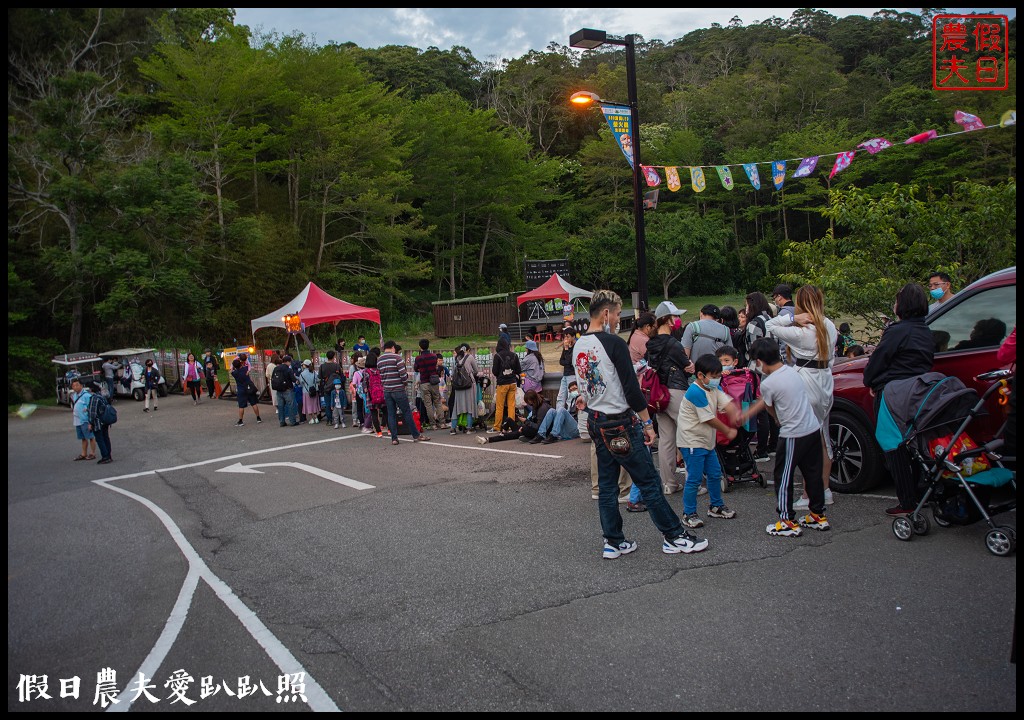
192 377
1006 355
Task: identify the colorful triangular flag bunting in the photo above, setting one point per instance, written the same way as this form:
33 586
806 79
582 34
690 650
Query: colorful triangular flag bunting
751 170
1009 118
807 166
967 121
651 175
875 145
725 175
672 176
697 180
778 173
921 137
843 161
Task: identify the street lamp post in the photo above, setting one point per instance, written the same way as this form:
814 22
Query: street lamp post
588 39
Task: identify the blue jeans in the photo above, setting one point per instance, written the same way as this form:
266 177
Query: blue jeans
398 400
286 408
698 462
560 424
563 390
110 388
640 466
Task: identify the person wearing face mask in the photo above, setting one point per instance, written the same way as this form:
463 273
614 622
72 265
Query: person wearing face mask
665 354
784 394
696 426
940 289
622 431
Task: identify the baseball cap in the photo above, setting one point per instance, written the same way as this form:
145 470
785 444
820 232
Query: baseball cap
667 308
711 310
784 290
503 326
307 361
531 345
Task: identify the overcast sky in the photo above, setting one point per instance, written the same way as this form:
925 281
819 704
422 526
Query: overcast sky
492 34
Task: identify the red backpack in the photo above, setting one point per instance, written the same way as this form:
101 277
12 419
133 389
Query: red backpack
376 386
654 390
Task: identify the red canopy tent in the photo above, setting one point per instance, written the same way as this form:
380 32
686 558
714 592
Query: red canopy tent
314 306
554 288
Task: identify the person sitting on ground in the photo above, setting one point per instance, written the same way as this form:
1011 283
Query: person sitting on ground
537 408
560 423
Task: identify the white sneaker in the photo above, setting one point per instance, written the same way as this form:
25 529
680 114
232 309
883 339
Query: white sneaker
594 497
828 497
482 440
685 543
343 424
680 470
623 500
802 503
702 491
366 431
613 551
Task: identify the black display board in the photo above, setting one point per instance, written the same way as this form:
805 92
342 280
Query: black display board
538 271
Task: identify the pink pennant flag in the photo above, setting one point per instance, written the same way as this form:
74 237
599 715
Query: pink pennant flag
875 145
921 137
807 166
968 121
843 161
651 175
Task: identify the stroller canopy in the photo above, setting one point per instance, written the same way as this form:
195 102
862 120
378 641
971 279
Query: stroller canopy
920 407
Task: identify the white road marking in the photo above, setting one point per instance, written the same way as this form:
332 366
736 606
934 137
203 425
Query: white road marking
316 697
340 479
483 448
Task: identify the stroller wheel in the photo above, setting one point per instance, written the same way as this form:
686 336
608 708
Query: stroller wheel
762 480
902 528
725 485
1001 541
939 520
920 524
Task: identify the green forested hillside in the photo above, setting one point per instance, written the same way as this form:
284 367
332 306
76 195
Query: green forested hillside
170 173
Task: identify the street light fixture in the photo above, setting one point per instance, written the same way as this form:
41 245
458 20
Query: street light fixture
588 39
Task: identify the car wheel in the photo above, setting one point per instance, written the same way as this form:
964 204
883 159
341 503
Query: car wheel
137 394
856 458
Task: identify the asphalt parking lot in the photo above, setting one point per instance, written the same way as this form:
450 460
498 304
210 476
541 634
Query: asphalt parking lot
450 576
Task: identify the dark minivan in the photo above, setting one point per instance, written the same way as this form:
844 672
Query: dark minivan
967 331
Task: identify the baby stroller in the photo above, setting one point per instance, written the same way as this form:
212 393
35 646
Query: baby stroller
963 483
735 456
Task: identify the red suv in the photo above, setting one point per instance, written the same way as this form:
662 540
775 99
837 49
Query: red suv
965 331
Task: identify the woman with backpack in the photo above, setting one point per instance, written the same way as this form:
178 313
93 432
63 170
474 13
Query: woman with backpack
758 314
310 392
372 391
463 402
665 355
192 374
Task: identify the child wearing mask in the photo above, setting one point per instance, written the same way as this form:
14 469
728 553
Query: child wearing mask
696 427
784 394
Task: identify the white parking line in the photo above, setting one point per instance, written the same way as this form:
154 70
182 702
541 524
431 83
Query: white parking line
482 448
316 697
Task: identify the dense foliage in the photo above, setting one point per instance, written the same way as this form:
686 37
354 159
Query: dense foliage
169 173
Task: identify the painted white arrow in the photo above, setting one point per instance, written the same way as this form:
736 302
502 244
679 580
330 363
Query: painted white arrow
341 480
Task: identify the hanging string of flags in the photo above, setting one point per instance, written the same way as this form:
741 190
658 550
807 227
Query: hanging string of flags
619 120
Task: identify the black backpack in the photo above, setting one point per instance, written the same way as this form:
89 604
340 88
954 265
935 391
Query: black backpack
279 378
105 412
463 380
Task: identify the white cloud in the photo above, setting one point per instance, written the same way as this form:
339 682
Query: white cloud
493 33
